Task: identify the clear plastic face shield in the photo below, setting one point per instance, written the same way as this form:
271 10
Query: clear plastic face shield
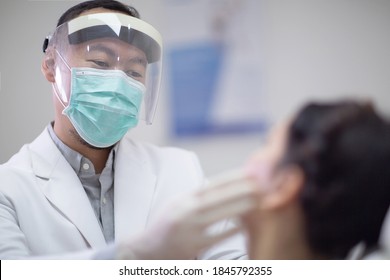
109 41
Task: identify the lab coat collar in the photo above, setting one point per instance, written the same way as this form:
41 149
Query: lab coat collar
135 186
63 189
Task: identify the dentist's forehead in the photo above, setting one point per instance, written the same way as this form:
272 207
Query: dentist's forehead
112 48
99 24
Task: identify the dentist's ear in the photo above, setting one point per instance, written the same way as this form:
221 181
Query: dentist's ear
285 189
47 66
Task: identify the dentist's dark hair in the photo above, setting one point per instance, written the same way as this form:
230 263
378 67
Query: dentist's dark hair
78 9
116 6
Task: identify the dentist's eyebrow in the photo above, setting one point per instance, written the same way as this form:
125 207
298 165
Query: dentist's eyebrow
138 60
102 48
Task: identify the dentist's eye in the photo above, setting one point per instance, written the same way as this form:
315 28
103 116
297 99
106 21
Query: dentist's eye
99 63
134 74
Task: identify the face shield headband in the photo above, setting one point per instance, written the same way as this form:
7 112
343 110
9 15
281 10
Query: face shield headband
110 41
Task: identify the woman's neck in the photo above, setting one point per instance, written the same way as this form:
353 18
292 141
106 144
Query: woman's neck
281 236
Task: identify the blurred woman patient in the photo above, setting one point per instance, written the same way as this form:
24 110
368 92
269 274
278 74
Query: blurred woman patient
325 184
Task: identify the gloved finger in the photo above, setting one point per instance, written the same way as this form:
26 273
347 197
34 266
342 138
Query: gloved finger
220 180
229 194
231 191
190 214
226 210
233 204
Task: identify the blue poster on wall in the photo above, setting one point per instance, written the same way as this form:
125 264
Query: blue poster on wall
214 70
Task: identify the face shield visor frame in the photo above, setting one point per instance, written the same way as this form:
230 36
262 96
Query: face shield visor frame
109 41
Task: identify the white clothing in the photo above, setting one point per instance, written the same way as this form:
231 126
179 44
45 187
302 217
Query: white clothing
383 252
45 212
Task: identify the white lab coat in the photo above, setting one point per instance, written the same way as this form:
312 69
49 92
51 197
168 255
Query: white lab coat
44 211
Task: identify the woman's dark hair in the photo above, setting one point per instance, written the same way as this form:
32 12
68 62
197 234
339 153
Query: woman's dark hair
76 10
343 149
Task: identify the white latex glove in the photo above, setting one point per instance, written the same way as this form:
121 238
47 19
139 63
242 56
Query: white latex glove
183 229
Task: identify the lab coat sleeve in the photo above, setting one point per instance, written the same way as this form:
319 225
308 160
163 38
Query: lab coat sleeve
13 243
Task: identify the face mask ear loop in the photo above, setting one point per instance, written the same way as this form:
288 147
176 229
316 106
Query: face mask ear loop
54 85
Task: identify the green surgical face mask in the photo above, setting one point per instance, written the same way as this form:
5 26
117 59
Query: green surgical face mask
103 105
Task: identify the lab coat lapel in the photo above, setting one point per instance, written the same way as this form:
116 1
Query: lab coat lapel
134 189
63 189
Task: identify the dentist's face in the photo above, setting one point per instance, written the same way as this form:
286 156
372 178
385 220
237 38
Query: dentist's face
109 54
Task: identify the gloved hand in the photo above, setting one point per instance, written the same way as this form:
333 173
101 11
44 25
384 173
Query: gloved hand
183 230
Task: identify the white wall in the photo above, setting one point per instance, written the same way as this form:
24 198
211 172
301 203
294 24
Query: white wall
314 49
